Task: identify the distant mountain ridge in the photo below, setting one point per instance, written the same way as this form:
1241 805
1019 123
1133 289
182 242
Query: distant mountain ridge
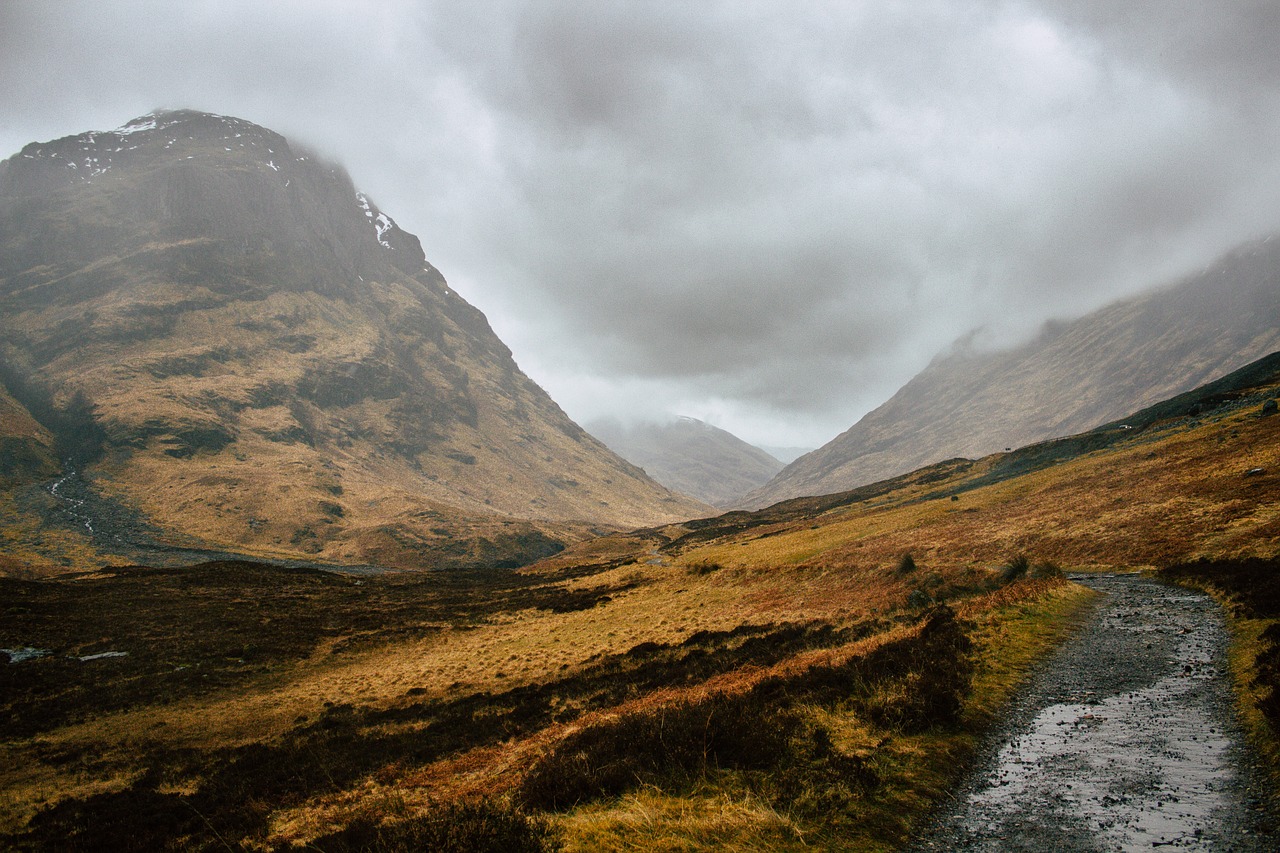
1075 376
261 359
786 455
691 457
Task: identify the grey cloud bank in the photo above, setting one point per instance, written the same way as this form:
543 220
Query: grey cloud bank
764 215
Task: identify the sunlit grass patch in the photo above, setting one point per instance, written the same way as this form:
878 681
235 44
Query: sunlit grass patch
847 773
1248 645
716 818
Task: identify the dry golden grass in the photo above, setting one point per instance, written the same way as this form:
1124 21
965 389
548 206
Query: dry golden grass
1246 644
720 813
1146 502
519 647
650 819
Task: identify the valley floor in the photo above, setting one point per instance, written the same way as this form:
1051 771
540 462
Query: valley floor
815 675
265 707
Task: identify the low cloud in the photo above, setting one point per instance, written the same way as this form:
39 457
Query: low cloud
763 215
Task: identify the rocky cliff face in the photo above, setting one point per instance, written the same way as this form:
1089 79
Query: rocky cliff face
1074 377
266 362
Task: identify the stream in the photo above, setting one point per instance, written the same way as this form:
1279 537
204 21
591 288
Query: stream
73 506
121 532
1126 739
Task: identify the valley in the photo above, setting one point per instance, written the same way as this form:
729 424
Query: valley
598 699
691 457
296 557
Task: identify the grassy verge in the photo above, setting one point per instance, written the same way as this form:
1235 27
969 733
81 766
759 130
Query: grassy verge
1012 637
1252 640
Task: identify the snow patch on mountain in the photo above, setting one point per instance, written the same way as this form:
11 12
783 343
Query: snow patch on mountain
138 125
381 222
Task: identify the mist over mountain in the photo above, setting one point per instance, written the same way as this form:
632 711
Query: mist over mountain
786 455
1074 376
691 457
238 347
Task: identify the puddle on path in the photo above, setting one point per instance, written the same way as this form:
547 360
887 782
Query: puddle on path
24 653
101 655
1126 740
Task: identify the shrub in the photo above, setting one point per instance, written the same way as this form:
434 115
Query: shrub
907 564
919 599
1045 571
1013 570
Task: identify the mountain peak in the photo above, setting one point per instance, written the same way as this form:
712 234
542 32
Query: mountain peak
199 175
214 298
173 134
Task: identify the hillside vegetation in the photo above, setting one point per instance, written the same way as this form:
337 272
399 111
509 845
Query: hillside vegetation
812 675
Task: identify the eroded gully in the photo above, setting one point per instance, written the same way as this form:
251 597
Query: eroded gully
1126 739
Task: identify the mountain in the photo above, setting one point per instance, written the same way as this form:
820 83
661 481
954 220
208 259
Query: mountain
691 457
1074 376
237 350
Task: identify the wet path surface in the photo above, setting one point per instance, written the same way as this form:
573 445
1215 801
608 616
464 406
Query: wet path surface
1125 740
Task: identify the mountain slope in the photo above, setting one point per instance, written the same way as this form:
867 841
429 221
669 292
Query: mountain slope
26 446
264 362
1075 376
691 457
1195 475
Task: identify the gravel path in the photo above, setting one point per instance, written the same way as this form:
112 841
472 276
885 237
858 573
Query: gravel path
1125 740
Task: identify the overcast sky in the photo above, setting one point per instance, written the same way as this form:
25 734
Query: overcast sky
768 215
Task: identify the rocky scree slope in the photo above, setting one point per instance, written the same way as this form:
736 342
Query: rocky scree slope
1073 377
248 353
